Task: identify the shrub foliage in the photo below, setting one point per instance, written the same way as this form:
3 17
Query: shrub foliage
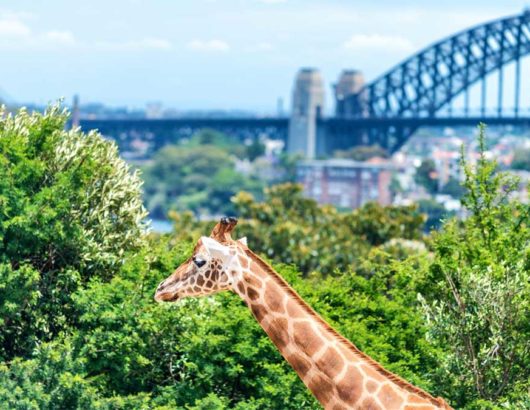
80 329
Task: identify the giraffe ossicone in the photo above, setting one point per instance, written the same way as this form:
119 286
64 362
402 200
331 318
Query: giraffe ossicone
337 373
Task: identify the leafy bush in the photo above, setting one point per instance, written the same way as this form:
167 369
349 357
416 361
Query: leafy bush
479 303
70 210
289 228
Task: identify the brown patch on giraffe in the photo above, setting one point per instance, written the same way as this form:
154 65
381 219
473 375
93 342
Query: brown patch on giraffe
215 275
253 280
339 407
321 388
257 270
371 386
330 362
350 388
277 330
389 398
197 289
370 404
209 284
294 310
241 287
412 398
208 273
252 293
299 363
372 373
426 407
306 338
274 298
200 280
243 261
259 312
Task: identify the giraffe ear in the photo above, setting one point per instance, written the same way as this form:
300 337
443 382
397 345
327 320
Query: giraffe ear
215 249
243 240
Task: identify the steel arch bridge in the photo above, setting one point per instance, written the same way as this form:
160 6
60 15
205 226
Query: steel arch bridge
427 83
429 80
418 92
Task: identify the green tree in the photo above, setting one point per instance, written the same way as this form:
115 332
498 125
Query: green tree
521 159
200 178
435 213
70 210
479 303
427 176
289 228
454 188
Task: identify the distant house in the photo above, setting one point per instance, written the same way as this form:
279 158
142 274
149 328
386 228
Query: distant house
346 183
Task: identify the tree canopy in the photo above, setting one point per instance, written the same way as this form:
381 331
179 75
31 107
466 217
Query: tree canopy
198 175
80 328
70 211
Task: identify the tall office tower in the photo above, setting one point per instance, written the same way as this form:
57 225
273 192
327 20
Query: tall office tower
348 101
307 108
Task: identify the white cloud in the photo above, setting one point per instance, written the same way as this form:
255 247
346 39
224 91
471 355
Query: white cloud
153 43
214 45
148 43
15 33
379 42
13 28
60 37
261 47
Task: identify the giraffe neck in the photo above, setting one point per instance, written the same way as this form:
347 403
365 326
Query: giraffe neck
336 372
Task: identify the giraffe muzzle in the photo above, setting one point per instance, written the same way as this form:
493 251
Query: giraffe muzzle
165 294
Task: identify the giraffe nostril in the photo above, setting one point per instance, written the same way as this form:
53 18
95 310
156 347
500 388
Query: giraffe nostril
161 286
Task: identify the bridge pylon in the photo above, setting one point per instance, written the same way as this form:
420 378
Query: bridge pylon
307 109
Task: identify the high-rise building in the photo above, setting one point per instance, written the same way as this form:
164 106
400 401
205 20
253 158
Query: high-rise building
347 98
307 108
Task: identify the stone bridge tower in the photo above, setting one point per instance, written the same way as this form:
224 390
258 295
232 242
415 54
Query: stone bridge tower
307 108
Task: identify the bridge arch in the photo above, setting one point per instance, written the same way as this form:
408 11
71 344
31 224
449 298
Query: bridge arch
428 81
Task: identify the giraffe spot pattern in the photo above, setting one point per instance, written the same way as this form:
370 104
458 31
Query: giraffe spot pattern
306 338
370 404
294 310
259 312
321 388
371 386
277 331
389 398
330 362
350 387
273 298
299 363
252 293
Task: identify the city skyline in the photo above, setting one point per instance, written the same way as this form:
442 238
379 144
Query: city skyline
132 54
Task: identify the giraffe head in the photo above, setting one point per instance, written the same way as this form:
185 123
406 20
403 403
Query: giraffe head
208 270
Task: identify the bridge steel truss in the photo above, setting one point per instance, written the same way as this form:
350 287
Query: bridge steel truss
429 81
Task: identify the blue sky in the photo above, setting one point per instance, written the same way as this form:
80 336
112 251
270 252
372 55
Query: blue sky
209 54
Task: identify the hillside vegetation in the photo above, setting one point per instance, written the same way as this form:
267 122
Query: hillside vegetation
80 330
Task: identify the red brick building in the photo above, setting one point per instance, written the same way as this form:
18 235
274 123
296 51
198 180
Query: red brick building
345 183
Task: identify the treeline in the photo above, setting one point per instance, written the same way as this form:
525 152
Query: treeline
78 269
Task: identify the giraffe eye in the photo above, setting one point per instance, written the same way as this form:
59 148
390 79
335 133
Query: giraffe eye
198 261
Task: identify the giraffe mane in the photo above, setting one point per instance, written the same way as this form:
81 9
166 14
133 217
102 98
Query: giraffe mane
345 342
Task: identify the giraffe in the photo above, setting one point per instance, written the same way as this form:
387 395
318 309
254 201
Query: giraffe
338 374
